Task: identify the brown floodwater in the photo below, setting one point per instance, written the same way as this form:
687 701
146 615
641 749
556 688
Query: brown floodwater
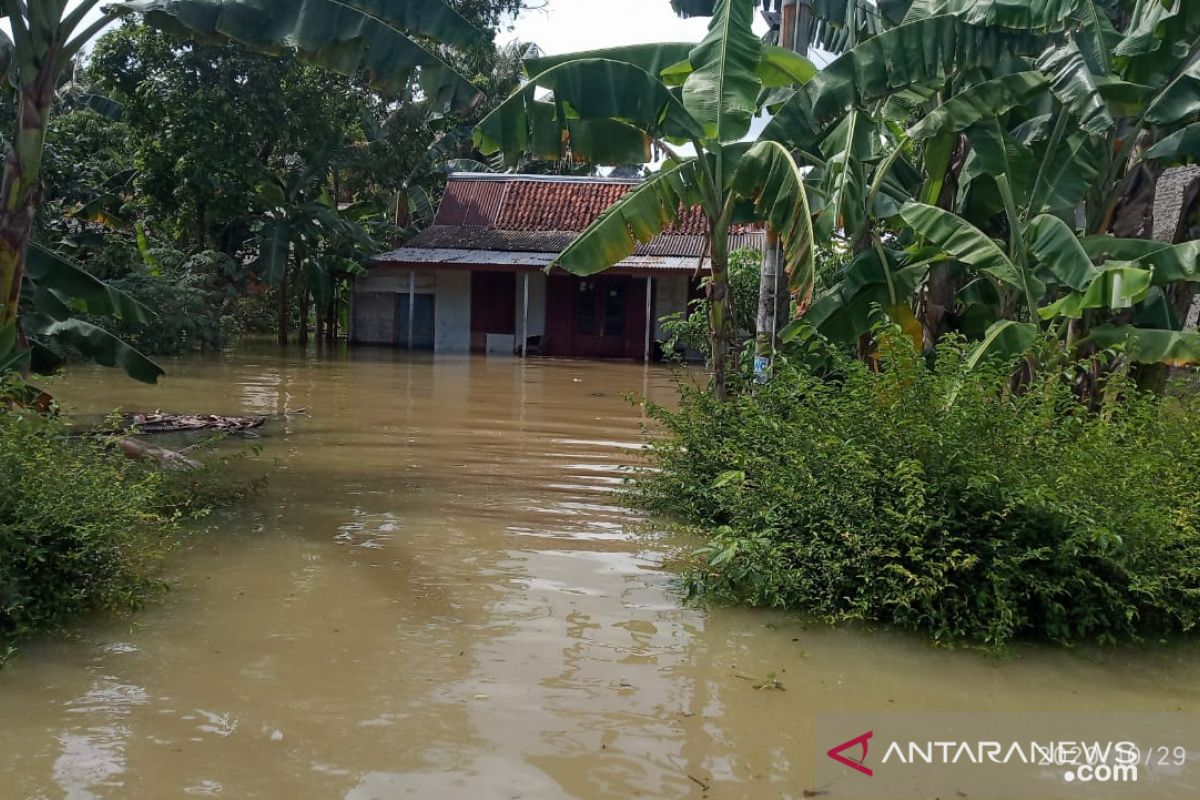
440 595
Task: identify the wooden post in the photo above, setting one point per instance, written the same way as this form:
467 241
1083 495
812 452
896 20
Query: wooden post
525 321
412 306
649 314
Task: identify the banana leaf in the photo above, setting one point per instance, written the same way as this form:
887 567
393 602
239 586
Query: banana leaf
67 279
350 37
1149 346
637 218
95 344
722 91
983 101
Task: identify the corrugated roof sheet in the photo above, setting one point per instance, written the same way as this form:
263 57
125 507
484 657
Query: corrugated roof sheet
457 257
554 242
544 214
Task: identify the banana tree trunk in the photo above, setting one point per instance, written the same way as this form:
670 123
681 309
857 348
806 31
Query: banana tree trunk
19 192
722 319
773 303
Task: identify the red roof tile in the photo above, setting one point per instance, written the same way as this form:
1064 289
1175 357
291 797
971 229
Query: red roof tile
528 204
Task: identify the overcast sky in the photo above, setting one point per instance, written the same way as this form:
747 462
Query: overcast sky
564 26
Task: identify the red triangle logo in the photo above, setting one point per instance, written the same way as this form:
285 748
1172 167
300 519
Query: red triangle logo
858 764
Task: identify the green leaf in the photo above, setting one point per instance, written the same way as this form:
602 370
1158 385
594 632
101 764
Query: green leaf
1006 339
274 249
350 37
96 344
1170 263
922 54
994 153
653 58
1182 146
769 177
1059 250
1116 287
320 283
60 274
962 240
1179 101
1073 84
1067 173
592 89
722 91
1031 15
983 101
1148 346
637 218
779 68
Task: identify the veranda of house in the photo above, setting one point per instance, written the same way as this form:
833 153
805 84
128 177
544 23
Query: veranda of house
480 279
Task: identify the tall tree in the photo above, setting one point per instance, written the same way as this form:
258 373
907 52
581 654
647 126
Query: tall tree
387 42
612 106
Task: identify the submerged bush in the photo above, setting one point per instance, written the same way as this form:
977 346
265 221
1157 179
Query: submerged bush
941 500
81 527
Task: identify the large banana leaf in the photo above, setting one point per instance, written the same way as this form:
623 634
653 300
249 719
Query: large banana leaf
1148 346
274 249
95 344
1059 251
844 176
1072 82
918 54
837 25
70 282
768 176
1006 339
994 152
1170 263
1067 172
966 243
1179 101
638 217
654 58
983 101
722 91
1031 15
1117 287
591 89
1182 146
868 285
350 37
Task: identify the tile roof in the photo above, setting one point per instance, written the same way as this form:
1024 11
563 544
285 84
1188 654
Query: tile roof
523 214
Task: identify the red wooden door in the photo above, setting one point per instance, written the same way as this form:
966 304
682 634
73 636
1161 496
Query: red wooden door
601 317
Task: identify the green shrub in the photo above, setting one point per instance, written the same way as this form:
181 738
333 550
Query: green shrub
936 498
81 527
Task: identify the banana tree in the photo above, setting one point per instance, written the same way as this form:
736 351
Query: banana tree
615 106
1031 136
385 39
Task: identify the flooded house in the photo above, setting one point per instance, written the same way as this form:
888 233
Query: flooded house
479 280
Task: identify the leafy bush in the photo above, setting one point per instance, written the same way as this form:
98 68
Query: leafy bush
688 331
937 498
81 527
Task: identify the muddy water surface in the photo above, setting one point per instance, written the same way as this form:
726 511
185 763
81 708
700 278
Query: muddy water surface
440 596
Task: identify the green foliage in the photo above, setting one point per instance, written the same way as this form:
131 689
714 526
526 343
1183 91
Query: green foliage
688 331
939 499
81 527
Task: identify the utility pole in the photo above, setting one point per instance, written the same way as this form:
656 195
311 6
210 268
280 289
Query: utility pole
795 28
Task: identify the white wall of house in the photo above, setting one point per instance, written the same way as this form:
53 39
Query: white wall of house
453 312
537 303
671 296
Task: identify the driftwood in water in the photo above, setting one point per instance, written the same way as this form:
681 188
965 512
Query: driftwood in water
140 451
183 423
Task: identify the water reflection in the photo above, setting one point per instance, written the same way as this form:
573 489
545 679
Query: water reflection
440 596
